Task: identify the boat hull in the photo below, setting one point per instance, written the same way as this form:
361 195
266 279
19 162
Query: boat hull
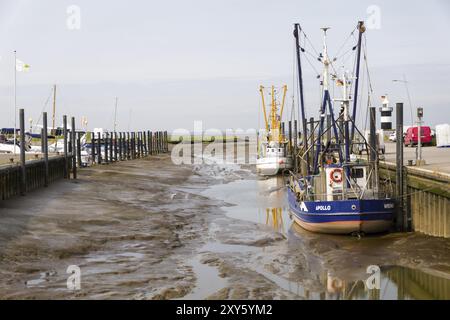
273 166
344 216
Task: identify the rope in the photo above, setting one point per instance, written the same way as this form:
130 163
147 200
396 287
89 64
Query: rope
345 42
306 38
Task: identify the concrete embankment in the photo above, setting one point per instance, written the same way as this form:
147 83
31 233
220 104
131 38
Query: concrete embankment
427 198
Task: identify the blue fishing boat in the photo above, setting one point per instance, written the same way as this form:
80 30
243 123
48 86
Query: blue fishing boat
333 190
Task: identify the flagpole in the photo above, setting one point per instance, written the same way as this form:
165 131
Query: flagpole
15 100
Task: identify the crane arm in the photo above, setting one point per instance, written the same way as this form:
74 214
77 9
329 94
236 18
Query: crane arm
261 90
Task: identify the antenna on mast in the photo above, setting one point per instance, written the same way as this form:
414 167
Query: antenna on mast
324 58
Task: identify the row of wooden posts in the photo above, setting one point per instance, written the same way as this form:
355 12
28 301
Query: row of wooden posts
120 146
117 146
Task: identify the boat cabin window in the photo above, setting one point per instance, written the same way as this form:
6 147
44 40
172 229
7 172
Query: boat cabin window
357 173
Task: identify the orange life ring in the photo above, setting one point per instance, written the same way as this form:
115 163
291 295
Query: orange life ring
334 178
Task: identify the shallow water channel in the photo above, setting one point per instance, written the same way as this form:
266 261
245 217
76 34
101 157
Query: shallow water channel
264 201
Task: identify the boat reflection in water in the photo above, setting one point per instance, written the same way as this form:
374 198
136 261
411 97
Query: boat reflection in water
264 201
396 283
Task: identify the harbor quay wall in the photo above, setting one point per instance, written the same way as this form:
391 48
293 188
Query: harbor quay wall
10 176
426 200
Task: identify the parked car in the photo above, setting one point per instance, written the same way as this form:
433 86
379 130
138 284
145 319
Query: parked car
412 136
362 147
393 137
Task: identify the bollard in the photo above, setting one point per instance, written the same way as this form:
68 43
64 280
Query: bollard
45 144
74 151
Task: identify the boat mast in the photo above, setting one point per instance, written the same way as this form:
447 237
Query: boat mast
54 107
297 30
326 62
326 100
361 29
346 102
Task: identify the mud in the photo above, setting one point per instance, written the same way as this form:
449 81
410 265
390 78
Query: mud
147 229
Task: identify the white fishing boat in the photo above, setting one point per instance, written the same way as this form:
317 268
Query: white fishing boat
273 146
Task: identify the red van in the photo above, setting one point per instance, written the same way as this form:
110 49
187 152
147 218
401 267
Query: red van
412 137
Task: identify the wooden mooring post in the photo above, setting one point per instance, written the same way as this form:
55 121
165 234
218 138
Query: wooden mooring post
93 147
44 138
150 142
66 157
120 146
74 159
105 148
23 172
111 147
166 140
78 153
99 148
403 221
105 142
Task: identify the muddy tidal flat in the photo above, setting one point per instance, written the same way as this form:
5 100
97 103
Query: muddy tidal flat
148 229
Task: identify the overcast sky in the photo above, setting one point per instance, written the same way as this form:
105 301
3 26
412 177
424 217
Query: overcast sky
173 62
